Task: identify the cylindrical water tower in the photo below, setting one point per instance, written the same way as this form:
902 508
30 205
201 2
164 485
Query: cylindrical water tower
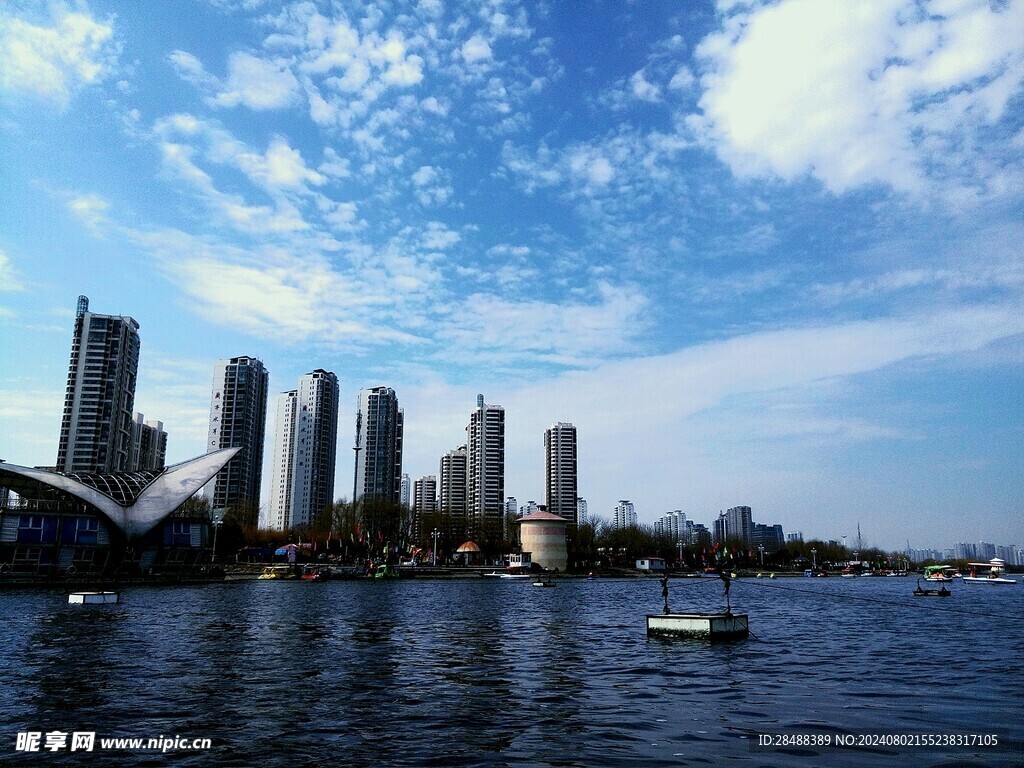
543 536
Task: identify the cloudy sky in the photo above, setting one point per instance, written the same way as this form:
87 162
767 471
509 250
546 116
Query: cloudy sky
760 253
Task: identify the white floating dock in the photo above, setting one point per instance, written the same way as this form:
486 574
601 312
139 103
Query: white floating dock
705 626
91 598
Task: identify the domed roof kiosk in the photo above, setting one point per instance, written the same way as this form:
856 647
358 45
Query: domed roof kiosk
543 535
469 552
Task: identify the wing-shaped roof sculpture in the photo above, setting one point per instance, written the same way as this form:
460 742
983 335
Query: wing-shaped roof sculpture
135 502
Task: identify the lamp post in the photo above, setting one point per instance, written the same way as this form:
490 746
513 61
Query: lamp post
217 517
814 556
680 552
433 554
760 548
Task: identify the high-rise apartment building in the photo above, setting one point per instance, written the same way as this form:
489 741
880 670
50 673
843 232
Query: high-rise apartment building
452 492
305 447
99 402
560 471
148 445
238 419
581 512
406 491
380 424
453 477
624 515
736 524
672 525
425 495
485 441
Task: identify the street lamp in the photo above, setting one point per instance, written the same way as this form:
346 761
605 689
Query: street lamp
680 552
760 548
814 561
217 517
433 554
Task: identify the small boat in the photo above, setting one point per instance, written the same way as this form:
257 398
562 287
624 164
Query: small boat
313 573
516 573
385 571
996 567
543 581
942 573
278 572
92 598
922 592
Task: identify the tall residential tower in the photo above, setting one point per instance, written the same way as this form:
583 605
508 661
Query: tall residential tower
485 441
380 425
305 447
99 402
238 419
560 471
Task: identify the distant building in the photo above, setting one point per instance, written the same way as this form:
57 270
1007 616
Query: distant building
99 402
380 428
561 471
425 495
238 419
794 537
452 493
406 491
511 506
485 441
305 447
965 551
581 512
735 524
624 515
424 504
672 525
148 445
529 508
768 536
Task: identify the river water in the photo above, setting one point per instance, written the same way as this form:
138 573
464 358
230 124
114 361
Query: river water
494 673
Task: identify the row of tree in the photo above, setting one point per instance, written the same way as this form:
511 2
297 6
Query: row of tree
372 528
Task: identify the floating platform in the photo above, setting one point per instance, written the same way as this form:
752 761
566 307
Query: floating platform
704 626
92 598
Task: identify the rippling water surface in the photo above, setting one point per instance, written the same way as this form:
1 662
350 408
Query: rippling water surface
492 673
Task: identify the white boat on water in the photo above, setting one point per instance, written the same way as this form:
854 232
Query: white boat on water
996 567
513 574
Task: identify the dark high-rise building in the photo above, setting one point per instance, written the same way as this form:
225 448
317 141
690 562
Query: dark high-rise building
380 425
99 402
238 419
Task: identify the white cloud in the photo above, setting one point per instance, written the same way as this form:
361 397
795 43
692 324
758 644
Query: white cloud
571 333
476 50
54 62
257 83
642 89
859 93
90 210
9 279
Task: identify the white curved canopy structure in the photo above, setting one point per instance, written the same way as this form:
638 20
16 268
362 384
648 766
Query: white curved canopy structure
145 499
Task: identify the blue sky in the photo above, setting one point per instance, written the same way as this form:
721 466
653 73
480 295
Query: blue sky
761 253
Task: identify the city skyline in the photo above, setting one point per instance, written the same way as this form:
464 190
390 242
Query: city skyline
761 254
